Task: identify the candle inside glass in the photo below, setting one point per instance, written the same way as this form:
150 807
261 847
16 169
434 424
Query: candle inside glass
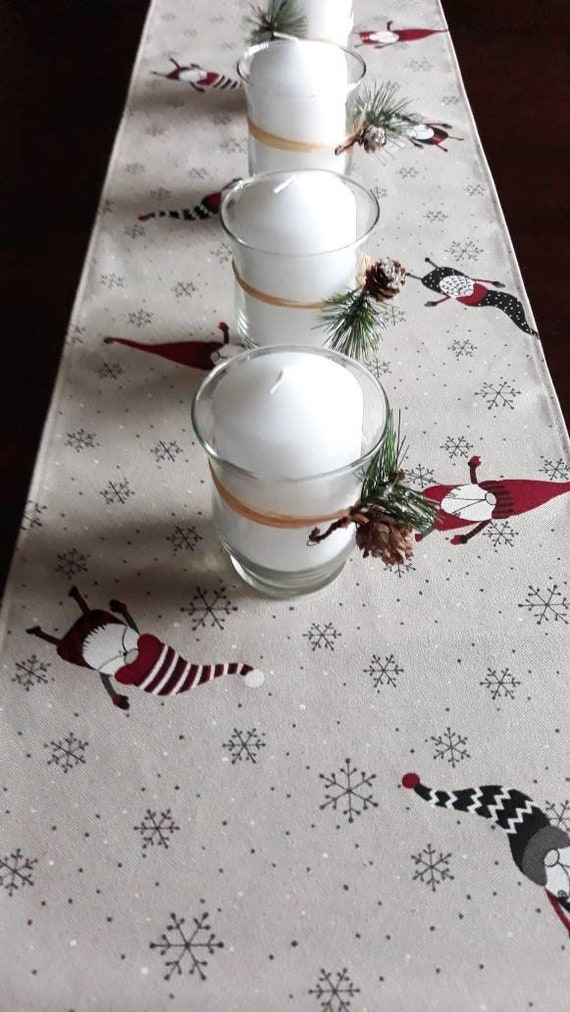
329 20
296 238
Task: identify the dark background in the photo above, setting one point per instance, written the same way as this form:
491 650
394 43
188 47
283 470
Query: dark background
67 66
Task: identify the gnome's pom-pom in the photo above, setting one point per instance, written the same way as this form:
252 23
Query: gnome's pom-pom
254 678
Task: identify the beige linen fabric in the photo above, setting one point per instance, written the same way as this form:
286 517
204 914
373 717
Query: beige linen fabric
253 849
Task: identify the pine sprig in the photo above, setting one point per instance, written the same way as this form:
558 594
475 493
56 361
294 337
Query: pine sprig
280 17
383 484
380 107
352 321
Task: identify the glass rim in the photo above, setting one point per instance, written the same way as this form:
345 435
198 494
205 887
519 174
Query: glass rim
335 356
250 181
251 51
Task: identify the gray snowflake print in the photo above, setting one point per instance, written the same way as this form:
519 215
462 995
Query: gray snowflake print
556 470
135 231
112 280
164 451
400 568
348 790
322 637
135 168
431 868
420 65
184 538
408 172
71 562
378 367
16 871
433 216
464 250
457 446
548 605
32 517
475 190
383 672
559 814
110 370
81 440
156 830
501 684
450 100
209 608
333 990
155 131
186 948
501 534
117 492
463 348
420 476
498 395
184 289
198 173
234 146
244 746
31 672
140 318
67 753
451 747
161 193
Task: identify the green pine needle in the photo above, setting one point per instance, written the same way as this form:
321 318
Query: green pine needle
380 107
352 321
280 17
383 484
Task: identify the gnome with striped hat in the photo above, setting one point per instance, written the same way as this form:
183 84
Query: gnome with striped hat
114 648
540 849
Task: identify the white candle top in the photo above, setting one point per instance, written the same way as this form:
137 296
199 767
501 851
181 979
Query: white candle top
299 68
305 213
328 19
288 415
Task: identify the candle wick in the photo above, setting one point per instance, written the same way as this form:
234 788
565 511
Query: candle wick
277 382
284 184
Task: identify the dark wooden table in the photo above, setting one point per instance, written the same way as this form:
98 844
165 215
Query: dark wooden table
66 71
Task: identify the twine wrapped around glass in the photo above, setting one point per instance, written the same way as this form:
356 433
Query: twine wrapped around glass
288 432
297 239
301 103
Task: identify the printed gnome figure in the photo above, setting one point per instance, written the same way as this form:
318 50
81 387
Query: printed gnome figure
540 849
115 649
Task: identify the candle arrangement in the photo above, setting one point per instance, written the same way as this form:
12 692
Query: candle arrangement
291 253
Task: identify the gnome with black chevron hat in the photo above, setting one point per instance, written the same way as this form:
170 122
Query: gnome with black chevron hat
540 849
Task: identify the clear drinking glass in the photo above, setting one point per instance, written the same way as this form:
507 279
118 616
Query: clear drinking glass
264 522
291 261
301 97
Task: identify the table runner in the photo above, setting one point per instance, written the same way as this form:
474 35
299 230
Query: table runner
271 848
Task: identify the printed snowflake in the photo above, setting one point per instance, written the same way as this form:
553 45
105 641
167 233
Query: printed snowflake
555 469
76 334
155 131
184 289
475 190
420 476
463 348
322 636
500 533
222 118
379 192
420 65
31 672
72 562
400 569
457 446
547 605
467 250
431 869
245 745
67 753
112 281
135 231
160 194
135 168
81 440
450 747
498 395
334 995
16 871
195 173
117 492
140 318
349 787
110 370
221 253
450 100
166 451
379 368
501 685
184 538
391 315
435 216
177 944
32 515
559 815
156 830
209 607
383 672
408 173
233 146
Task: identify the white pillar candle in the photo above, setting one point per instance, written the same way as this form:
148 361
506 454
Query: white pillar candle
330 20
288 415
297 92
294 239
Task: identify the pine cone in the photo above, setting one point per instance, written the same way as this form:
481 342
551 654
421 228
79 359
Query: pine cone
384 538
372 138
384 279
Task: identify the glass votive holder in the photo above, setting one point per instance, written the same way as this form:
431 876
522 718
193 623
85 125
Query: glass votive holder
301 98
297 238
288 432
